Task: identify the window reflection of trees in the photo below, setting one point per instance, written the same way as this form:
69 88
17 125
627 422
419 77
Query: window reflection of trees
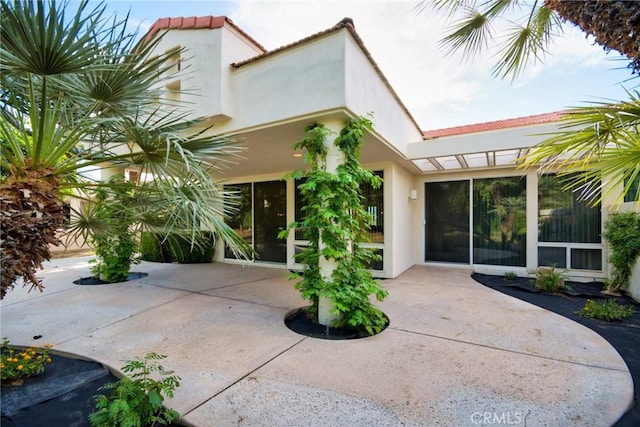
499 216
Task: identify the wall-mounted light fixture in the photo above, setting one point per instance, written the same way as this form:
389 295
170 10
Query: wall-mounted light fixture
413 194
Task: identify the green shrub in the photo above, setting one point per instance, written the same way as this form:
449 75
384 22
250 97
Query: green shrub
113 240
155 247
549 279
510 276
607 309
136 399
622 232
333 209
184 252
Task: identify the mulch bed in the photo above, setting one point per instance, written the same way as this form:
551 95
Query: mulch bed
60 396
300 321
623 335
97 281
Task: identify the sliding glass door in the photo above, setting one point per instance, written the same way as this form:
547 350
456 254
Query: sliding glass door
497 218
500 221
447 221
260 217
270 218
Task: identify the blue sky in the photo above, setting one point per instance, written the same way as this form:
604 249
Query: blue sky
439 90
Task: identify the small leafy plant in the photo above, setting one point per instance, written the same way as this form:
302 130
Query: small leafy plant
607 309
16 364
136 399
622 232
112 237
510 276
549 279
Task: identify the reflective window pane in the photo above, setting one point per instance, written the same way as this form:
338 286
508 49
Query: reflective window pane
500 221
552 257
586 259
240 217
447 221
564 216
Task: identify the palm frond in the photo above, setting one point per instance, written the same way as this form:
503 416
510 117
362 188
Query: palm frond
600 140
471 34
526 44
36 38
447 7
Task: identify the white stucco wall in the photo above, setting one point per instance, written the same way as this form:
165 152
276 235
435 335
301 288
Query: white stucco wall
205 75
293 83
402 232
367 93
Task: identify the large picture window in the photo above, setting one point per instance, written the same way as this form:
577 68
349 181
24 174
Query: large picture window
373 200
569 227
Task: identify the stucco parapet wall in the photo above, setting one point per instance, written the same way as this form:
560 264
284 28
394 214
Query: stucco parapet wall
347 24
197 23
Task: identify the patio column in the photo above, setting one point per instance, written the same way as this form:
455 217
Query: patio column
334 159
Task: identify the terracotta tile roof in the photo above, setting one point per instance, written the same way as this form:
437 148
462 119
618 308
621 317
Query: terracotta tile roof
496 125
346 23
194 23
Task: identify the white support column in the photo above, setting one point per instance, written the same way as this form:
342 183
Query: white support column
532 221
334 159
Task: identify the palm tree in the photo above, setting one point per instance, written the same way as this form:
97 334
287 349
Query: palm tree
79 92
600 139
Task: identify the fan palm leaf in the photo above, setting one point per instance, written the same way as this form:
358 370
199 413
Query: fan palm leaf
600 141
80 92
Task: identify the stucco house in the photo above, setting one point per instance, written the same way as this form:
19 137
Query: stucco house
451 196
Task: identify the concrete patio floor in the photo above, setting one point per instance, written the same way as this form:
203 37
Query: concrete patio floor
455 354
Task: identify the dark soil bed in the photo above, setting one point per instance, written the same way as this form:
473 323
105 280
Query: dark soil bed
301 322
97 281
623 335
61 396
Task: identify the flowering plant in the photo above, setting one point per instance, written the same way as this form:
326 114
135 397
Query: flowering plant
18 364
606 309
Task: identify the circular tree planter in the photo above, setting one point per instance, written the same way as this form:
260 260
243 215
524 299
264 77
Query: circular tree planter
301 322
97 281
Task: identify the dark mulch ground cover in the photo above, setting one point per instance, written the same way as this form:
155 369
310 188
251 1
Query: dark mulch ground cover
91 280
60 396
301 322
623 335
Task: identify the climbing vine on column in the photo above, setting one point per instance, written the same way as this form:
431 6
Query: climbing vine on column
335 223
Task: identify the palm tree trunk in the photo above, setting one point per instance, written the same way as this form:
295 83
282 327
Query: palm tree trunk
613 23
32 214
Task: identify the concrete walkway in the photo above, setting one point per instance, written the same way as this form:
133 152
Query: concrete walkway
455 354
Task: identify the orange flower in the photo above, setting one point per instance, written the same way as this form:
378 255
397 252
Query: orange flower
19 368
48 360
